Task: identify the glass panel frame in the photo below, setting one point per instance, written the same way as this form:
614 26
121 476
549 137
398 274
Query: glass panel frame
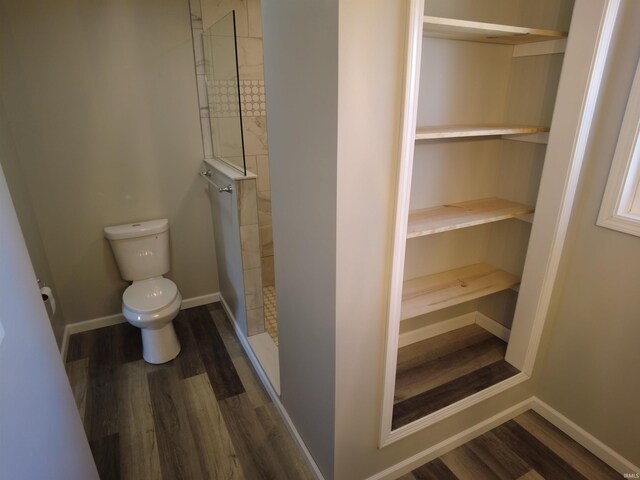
222 79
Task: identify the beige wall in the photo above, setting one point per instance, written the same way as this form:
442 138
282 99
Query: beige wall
41 434
333 173
102 106
590 372
301 41
366 129
26 215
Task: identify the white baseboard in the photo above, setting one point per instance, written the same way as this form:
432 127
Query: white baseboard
584 438
452 442
428 331
64 345
109 320
493 327
262 374
199 301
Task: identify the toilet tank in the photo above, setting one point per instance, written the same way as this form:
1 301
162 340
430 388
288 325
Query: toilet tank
141 249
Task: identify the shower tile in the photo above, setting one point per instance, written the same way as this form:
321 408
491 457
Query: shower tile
252 98
214 10
196 22
223 70
270 313
196 9
264 208
207 144
264 219
247 202
228 140
202 91
268 274
255 135
252 165
250 62
253 301
250 243
253 285
198 52
263 173
266 240
255 321
264 201
254 18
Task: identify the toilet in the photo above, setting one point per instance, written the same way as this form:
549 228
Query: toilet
151 302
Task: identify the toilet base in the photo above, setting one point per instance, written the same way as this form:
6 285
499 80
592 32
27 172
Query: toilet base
160 345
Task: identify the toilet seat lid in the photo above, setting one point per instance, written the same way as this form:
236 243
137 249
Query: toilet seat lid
149 295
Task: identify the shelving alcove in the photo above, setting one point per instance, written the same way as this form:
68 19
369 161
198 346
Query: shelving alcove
494 126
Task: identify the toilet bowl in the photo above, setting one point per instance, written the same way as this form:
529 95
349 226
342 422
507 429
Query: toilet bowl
151 305
151 302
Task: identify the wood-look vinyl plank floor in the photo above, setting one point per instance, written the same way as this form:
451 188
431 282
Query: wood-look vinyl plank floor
78 373
525 448
572 452
217 455
433 348
204 415
465 464
435 470
175 439
166 422
136 425
250 440
439 371
217 362
429 375
504 463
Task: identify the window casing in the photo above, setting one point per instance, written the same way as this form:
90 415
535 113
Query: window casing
620 209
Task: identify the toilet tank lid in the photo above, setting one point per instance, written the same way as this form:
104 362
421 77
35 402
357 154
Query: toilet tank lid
136 229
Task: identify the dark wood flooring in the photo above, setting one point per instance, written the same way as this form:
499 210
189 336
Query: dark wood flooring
204 415
525 448
444 369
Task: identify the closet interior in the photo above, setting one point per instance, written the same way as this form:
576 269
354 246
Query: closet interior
485 89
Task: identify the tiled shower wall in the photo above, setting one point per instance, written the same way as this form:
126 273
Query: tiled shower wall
205 13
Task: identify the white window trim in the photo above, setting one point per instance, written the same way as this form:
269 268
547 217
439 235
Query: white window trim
623 185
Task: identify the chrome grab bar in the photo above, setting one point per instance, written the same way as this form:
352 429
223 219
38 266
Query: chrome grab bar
206 174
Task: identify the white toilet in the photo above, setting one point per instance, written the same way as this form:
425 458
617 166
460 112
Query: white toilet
151 302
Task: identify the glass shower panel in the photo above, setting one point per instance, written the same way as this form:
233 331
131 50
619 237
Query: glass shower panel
221 69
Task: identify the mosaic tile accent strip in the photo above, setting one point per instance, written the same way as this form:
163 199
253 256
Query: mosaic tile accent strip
223 98
252 98
270 313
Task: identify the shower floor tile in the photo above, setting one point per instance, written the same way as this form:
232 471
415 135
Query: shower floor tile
270 313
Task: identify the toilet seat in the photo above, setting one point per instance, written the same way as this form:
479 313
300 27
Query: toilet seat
147 296
146 302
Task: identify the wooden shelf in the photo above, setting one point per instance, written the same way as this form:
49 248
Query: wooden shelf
455 29
428 221
487 130
434 292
